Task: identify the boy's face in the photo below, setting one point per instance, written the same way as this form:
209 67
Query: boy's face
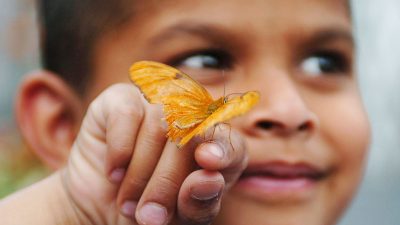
307 138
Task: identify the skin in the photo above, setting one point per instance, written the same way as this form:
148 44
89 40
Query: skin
308 113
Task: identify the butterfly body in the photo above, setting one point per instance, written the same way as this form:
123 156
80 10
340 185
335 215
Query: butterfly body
188 107
215 105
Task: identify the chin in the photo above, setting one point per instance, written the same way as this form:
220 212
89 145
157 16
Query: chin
302 208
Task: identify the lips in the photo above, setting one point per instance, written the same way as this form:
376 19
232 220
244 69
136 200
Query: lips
281 170
280 180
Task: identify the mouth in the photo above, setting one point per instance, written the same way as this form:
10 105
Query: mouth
281 180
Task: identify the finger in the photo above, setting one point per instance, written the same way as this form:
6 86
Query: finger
122 125
199 198
92 150
158 202
225 152
147 151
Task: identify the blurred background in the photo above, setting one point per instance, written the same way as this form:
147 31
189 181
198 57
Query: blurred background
18 54
377 29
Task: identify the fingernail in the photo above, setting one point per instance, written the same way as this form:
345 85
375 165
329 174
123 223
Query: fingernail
128 208
152 214
206 191
215 150
117 175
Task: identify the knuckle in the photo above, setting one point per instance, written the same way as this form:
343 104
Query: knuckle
124 100
166 183
129 110
120 148
114 92
118 100
137 182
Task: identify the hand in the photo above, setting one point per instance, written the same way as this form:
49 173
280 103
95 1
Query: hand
122 169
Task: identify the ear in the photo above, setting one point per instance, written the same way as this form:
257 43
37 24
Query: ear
49 114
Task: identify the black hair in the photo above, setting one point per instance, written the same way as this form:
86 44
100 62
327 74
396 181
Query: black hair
69 30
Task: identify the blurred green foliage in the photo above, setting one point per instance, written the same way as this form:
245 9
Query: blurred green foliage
18 166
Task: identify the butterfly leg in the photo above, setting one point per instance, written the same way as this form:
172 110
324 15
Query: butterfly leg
207 139
215 126
212 134
230 140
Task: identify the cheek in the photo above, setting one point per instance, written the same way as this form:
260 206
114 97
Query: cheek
345 128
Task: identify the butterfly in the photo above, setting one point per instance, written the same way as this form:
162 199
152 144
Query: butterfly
188 108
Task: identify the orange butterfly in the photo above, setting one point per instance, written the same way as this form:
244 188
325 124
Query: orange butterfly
189 109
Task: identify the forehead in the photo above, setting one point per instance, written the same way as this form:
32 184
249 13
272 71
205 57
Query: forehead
262 18
264 10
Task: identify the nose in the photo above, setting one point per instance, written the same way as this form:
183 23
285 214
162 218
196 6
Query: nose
282 111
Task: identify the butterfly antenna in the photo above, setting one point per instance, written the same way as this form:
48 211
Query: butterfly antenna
236 93
223 77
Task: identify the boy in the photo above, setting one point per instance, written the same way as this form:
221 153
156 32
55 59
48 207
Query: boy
298 155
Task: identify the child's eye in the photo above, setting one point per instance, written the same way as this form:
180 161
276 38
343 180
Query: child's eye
210 59
324 64
205 66
201 61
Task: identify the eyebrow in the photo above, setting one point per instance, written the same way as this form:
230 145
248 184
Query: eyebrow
218 34
211 32
332 34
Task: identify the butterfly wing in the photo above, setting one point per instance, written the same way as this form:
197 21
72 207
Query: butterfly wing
234 107
157 81
185 101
